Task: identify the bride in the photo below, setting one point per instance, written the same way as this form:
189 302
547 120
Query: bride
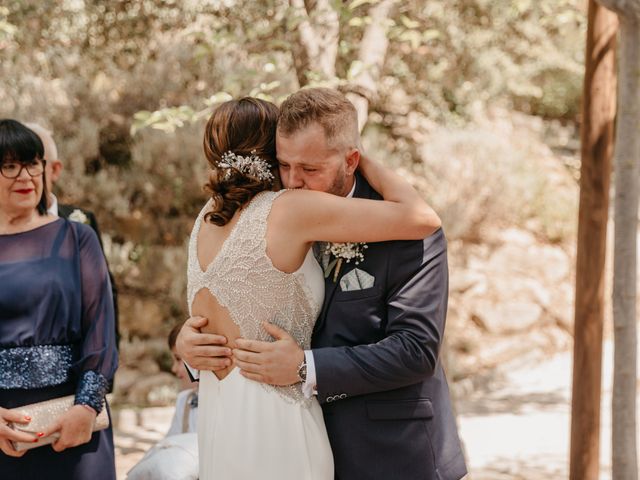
250 261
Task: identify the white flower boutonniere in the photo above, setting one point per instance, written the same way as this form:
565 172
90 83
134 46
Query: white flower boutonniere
343 252
78 216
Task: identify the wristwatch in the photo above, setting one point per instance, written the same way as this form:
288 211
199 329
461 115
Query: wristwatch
302 371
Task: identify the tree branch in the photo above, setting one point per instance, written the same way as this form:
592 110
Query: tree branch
371 54
308 35
319 34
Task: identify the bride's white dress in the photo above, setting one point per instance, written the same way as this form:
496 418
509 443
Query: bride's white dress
247 429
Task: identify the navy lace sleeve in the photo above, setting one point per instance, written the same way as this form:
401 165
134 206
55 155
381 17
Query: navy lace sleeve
98 356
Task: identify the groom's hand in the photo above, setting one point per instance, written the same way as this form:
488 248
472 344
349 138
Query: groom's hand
275 363
202 351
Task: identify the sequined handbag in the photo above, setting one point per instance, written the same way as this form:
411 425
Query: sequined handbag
43 414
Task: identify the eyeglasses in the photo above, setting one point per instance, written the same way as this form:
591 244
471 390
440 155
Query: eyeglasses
13 170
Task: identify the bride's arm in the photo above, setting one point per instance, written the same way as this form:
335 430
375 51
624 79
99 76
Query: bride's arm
403 215
392 186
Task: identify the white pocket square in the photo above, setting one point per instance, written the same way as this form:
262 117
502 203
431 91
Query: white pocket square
356 279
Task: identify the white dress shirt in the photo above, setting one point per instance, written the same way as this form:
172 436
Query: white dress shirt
53 207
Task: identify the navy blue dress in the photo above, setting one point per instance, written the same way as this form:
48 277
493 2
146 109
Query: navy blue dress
56 338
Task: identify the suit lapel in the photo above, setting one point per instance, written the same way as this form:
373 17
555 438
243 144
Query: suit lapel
64 210
363 190
330 288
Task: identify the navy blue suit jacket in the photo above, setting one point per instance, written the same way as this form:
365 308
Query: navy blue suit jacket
383 390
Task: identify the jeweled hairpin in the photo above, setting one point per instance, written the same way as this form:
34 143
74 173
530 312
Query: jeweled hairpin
252 166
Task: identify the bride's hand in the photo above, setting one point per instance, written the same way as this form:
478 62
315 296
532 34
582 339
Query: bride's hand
275 363
7 434
394 188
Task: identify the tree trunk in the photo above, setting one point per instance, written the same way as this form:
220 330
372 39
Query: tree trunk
373 49
315 54
626 164
597 134
627 168
318 33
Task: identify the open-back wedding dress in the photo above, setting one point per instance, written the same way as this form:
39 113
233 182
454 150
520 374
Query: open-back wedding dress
246 429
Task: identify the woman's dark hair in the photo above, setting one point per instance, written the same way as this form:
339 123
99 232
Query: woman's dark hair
21 144
239 126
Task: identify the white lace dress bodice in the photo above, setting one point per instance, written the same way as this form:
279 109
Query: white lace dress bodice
265 432
245 282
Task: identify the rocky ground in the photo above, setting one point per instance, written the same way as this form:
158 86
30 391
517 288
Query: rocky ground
506 300
137 430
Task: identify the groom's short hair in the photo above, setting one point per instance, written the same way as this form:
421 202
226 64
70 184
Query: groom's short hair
331 109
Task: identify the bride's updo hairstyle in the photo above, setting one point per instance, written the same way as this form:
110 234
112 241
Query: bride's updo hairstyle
239 128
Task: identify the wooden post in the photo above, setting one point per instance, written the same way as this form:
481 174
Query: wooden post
624 458
598 115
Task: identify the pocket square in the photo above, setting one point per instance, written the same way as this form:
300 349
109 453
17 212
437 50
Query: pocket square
356 279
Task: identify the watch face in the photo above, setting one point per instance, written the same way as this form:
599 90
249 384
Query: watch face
302 372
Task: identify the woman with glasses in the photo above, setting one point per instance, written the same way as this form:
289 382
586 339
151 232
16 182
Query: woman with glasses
56 323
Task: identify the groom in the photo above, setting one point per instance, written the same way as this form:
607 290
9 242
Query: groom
374 363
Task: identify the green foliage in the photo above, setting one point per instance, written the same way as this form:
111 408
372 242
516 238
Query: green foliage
98 72
166 120
445 58
7 31
126 86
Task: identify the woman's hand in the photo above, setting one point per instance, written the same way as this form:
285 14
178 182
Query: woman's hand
74 426
7 434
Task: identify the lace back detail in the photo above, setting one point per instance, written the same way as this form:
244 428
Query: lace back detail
245 282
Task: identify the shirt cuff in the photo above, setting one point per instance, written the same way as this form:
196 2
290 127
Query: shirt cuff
310 388
195 374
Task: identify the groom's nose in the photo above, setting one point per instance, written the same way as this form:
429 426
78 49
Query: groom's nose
293 179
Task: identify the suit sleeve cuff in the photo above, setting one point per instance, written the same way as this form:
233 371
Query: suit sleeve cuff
309 388
195 374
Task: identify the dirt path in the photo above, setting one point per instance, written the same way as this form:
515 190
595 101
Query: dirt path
136 431
515 426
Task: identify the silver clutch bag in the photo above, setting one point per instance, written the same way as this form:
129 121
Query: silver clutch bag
43 414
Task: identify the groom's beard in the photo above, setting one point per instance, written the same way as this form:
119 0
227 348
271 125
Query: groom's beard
339 185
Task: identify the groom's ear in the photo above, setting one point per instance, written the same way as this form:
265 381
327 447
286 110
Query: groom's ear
352 159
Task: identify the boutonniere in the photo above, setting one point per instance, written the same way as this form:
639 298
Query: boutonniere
343 253
78 216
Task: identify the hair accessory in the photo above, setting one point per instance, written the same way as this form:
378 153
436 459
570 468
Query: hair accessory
252 166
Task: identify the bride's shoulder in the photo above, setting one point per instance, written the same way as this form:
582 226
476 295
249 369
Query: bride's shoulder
286 204
269 197
298 199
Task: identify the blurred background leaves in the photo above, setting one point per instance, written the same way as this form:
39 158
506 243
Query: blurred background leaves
476 101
